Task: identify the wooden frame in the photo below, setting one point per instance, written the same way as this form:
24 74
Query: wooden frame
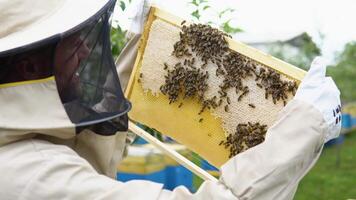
274 63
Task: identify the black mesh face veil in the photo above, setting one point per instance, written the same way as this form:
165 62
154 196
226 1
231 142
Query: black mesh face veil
84 70
87 79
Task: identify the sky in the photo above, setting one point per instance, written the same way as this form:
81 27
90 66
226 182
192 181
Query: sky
331 23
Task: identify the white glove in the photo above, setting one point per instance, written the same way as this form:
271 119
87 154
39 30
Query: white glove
125 62
140 10
322 93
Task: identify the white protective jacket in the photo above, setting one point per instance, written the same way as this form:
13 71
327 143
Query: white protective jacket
57 164
45 166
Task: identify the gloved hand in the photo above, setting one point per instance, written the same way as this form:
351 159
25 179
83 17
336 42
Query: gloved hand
126 60
322 93
140 10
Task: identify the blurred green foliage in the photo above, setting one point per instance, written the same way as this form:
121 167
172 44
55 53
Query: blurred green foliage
118 40
305 50
224 22
227 28
200 5
225 25
344 72
118 35
334 175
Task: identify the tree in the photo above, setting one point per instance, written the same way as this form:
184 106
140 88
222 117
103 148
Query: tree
118 35
344 72
299 51
222 18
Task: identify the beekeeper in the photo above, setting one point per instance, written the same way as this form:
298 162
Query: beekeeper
63 115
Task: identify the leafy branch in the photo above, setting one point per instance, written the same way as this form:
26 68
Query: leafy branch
202 6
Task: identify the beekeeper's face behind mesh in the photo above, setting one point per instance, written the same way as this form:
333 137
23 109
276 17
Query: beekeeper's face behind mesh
81 62
69 54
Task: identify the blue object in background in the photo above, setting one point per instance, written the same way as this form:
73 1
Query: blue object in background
207 166
337 141
139 140
178 175
171 177
346 121
158 176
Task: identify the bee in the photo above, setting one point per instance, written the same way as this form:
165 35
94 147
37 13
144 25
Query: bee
228 100
220 102
221 142
252 105
257 77
201 119
245 89
240 97
180 105
216 72
165 66
181 35
226 108
259 85
183 22
293 92
141 75
201 110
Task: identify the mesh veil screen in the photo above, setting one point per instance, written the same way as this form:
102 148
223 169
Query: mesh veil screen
84 70
87 79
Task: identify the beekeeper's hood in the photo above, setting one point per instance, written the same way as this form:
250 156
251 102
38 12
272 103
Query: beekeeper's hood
56 68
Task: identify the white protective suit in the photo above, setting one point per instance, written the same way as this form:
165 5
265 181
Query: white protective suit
40 159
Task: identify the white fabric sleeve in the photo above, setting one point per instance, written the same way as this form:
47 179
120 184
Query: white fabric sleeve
38 169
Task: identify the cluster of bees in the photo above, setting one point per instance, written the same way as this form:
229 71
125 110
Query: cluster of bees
246 136
207 42
188 80
274 86
189 83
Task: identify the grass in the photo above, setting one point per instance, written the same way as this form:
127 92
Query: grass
326 180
